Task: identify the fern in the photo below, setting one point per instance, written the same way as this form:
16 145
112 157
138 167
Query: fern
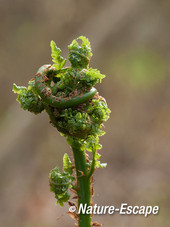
56 58
67 164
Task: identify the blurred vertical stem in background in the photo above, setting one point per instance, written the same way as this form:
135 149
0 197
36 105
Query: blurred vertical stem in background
75 108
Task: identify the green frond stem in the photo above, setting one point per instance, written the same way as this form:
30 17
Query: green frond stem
93 163
83 182
45 93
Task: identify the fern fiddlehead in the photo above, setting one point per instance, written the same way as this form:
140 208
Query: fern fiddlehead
45 92
75 108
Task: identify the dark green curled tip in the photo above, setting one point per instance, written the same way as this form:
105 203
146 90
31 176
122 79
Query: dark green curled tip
46 94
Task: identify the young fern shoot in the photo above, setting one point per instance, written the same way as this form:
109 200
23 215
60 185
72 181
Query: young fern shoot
75 108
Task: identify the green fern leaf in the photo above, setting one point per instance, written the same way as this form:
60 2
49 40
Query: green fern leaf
56 58
67 164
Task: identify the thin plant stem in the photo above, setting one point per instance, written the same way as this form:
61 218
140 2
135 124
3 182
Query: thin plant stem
83 182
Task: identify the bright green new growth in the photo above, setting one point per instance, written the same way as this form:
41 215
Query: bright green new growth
55 54
75 108
28 99
67 164
61 182
80 55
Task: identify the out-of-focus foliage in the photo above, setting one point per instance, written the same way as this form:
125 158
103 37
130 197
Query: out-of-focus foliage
141 69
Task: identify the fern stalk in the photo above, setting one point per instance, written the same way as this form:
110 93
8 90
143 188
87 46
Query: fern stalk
83 182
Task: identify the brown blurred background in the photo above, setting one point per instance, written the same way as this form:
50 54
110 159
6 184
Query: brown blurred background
131 45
